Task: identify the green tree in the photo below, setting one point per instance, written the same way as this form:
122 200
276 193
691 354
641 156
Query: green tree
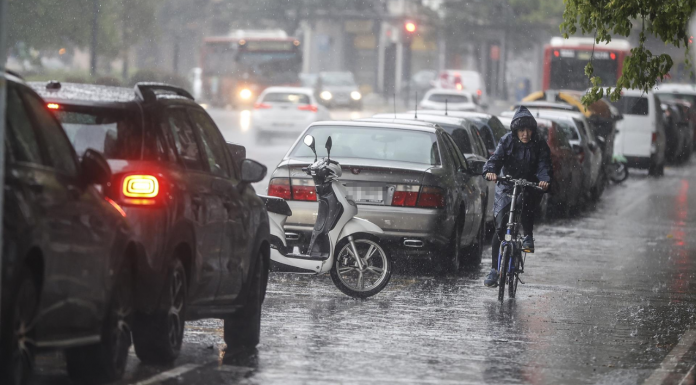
665 19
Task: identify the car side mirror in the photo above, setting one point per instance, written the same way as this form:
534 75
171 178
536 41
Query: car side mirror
592 146
252 171
476 167
238 154
577 149
94 168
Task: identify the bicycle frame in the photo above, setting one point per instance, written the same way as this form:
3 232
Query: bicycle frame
512 227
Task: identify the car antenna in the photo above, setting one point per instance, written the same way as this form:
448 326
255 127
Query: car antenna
445 106
416 113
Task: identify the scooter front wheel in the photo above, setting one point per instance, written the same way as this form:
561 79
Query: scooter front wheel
365 278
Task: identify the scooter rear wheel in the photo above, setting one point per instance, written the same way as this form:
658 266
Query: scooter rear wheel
365 282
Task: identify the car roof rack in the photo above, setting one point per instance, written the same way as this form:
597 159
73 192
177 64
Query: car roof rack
148 91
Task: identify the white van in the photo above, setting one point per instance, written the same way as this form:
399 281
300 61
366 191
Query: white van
641 134
463 80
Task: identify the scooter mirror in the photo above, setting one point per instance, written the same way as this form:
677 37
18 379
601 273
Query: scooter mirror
328 147
309 141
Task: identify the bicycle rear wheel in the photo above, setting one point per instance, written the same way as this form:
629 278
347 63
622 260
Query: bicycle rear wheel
502 277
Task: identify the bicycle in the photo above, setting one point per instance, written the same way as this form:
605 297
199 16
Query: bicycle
510 258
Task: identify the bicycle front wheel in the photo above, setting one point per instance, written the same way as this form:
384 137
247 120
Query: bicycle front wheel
502 277
512 289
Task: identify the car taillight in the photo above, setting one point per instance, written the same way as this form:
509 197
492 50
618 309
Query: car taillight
53 106
140 189
303 190
654 137
280 187
308 107
262 106
116 206
405 195
431 197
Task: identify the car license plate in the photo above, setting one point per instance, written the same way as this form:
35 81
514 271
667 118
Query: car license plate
366 194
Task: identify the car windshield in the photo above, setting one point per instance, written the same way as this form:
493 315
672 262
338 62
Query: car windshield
377 143
286 97
114 133
632 105
338 79
449 98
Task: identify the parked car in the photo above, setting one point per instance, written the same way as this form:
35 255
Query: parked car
68 252
463 80
584 144
489 126
205 231
405 176
448 100
285 111
338 89
679 134
470 144
682 92
641 137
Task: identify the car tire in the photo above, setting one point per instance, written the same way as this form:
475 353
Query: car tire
474 253
451 255
17 350
243 328
598 188
106 361
158 336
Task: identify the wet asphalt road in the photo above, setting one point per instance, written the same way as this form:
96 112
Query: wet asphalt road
610 298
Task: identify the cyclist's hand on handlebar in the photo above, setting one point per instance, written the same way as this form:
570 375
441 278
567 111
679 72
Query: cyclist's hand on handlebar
491 176
544 185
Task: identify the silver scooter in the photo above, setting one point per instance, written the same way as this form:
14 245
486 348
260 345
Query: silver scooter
346 246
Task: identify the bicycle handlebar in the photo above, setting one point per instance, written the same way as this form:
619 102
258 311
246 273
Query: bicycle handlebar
519 182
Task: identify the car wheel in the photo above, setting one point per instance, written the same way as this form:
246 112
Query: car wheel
158 336
452 254
106 361
598 188
474 252
17 344
243 329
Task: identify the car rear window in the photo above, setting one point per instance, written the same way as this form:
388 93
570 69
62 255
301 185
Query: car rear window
460 136
114 133
373 143
632 105
441 98
286 97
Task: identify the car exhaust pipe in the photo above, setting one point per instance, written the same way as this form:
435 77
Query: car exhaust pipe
292 236
413 243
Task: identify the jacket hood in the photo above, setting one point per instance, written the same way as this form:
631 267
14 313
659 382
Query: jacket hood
523 118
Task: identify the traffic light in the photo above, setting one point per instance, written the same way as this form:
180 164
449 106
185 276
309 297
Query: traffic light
410 29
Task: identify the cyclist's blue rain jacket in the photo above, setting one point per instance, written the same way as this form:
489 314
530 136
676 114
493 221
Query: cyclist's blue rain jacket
530 161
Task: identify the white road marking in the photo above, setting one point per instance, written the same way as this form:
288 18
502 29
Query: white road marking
670 362
169 374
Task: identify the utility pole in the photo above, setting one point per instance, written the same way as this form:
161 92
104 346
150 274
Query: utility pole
3 17
95 32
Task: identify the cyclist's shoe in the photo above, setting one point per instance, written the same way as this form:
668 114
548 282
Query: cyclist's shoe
492 279
528 244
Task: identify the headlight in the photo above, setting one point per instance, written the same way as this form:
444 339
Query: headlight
355 95
245 93
326 95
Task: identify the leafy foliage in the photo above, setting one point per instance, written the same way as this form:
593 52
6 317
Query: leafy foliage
664 19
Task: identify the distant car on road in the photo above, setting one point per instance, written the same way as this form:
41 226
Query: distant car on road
69 255
450 100
679 136
338 89
205 231
463 80
407 177
682 92
285 111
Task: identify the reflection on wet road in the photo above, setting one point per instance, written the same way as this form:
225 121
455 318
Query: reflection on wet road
607 297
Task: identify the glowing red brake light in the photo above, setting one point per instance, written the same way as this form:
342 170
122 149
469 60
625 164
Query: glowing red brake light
53 106
405 195
431 197
556 53
308 107
262 106
140 186
303 190
280 187
612 56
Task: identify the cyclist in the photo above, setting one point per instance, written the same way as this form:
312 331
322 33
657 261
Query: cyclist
522 154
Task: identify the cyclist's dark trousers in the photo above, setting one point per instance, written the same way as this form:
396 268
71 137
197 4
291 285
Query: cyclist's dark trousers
531 202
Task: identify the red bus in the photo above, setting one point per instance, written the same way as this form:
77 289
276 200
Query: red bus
565 60
238 67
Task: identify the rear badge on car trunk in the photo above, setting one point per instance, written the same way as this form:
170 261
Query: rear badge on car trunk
355 170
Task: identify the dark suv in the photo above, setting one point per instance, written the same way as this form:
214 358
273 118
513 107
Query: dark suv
204 229
68 252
